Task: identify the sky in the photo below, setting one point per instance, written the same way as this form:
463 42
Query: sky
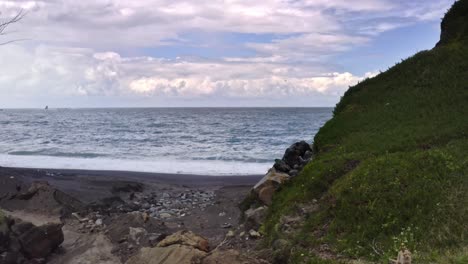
229 53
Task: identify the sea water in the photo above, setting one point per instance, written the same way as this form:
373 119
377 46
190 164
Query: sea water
209 141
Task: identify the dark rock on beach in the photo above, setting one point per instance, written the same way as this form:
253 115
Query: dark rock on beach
23 242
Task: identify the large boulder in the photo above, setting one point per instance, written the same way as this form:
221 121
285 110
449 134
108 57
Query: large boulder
268 185
187 238
39 242
294 155
179 254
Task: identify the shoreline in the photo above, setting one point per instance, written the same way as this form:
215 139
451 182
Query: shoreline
155 177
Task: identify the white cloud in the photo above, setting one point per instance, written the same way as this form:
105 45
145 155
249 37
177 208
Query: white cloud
290 43
60 71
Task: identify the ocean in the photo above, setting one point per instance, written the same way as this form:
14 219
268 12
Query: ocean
206 141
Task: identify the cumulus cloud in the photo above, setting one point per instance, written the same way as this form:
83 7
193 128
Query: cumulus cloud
104 47
81 72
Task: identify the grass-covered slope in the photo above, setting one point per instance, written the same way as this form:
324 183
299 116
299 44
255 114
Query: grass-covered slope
391 166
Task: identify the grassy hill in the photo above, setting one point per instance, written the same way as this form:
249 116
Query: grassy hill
391 167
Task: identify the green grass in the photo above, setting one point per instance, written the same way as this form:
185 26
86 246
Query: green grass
391 166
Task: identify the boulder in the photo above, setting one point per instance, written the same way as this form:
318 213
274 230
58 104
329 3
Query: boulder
281 166
39 242
187 238
294 155
268 185
255 217
172 254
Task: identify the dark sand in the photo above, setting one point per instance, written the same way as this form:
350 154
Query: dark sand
91 186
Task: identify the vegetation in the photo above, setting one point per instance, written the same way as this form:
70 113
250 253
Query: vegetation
391 166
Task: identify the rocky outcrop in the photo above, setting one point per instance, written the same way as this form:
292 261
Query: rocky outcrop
187 238
181 247
23 242
294 159
40 197
168 255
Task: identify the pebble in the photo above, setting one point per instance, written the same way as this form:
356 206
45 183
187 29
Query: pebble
254 234
226 225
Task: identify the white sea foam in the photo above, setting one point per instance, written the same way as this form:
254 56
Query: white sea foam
198 167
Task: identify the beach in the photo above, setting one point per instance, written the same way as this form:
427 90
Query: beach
205 205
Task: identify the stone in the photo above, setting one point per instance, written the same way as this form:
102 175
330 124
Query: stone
136 233
293 155
230 234
293 173
226 225
98 222
254 234
222 214
119 227
165 215
187 238
268 185
404 257
39 242
180 254
281 166
255 217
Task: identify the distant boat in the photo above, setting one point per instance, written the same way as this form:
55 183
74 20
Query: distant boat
46 107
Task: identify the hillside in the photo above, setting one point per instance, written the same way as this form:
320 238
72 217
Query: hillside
390 169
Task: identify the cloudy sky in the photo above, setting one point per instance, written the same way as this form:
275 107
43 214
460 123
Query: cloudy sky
108 53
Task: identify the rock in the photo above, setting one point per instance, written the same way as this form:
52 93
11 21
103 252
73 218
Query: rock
136 233
145 217
222 214
39 242
126 186
165 215
172 254
98 222
255 217
42 198
242 234
268 185
254 234
308 155
119 226
404 257
187 238
293 155
230 234
281 166
226 225
293 173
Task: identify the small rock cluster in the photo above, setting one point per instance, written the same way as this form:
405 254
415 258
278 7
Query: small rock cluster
294 159
168 205
92 223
